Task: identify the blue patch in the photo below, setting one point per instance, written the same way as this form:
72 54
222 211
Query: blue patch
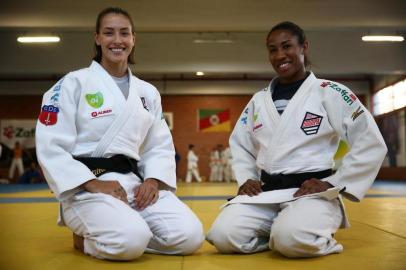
244 120
50 108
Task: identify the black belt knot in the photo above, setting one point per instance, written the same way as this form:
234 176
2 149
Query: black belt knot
117 163
285 181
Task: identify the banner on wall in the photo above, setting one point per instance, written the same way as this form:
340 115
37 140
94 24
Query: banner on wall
214 120
22 131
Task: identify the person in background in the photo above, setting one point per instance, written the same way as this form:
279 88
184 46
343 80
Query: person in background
214 156
177 159
32 175
220 164
108 155
286 139
227 160
192 166
16 161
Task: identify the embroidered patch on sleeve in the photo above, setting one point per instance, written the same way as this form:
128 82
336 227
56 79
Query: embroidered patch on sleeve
311 123
144 103
244 117
48 115
357 113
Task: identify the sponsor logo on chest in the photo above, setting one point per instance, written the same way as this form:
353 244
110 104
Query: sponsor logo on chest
257 124
101 113
311 123
95 100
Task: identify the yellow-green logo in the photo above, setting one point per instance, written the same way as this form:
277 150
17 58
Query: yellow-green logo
95 100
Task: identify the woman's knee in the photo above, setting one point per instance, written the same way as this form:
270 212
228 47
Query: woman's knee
124 244
225 237
294 241
186 239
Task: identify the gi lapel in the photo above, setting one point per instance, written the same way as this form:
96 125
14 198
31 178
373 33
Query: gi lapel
283 120
270 107
123 115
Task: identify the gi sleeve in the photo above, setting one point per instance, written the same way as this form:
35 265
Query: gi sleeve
356 126
244 147
55 138
157 154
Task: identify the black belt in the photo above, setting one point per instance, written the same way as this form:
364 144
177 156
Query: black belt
116 163
284 181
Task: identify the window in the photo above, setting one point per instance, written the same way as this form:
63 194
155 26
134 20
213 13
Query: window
390 98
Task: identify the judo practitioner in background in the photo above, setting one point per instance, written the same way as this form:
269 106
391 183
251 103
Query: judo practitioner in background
192 166
214 156
286 138
220 164
216 164
108 155
227 160
16 161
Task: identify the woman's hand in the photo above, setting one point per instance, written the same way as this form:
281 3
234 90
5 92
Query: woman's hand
111 187
146 194
311 186
250 188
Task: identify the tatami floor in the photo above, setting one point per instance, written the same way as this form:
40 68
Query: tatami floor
30 238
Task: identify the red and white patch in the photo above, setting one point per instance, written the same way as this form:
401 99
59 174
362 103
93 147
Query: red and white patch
353 97
324 84
101 113
311 123
49 115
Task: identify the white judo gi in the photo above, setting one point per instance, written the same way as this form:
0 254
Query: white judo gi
85 114
227 161
192 167
216 166
303 139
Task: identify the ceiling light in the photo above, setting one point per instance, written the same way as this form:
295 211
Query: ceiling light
213 40
383 38
199 73
42 39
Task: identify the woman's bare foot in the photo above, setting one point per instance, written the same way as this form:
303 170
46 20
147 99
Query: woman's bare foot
78 242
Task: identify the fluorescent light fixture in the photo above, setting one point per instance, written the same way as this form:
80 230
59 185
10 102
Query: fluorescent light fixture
38 39
218 41
199 73
383 38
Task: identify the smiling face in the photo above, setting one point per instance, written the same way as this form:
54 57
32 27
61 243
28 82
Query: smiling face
115 38
287 56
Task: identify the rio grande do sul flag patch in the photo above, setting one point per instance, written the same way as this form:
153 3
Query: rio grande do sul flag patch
311 123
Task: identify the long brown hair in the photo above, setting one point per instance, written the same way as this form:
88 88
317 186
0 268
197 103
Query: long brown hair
115 10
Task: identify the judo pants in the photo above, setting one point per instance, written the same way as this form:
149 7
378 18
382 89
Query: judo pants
113 230
301 228
216 173
16 163
192 172
228 172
